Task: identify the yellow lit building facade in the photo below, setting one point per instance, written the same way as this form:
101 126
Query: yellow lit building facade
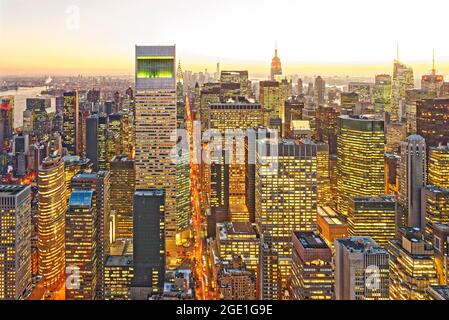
155 131
286 194
412 267
231 119
360 164
438 167
51 222
374 217
15 242
241 239
81 247
122 193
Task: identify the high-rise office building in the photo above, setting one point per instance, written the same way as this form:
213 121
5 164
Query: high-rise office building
412 268
99 183
238 77
155 130
286 193
374 217
15 242
239 238
6 121
320 90
96 147
324 182
276 66
382 93
441 252
432 121
402 81
269 271
231 119
71 134
118 276
361 270
81 259
122 193
412 178
312 270
293 107
210 93
438 166
51 222
270 98
149 252
326 126
360 164
434 209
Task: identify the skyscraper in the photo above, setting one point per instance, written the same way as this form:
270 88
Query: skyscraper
432 121
99 183
361 270
438 166
231 119
312 270
269 271
412 269
374 217
155 127
360 164
51 223
15 242
402 81
71 135
81 244
6 121
434 210
276 66
412 178
382 93
270 98
96 149
148 244
320 89
122 193
286 193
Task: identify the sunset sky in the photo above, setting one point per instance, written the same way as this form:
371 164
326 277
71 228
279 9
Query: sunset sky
346 37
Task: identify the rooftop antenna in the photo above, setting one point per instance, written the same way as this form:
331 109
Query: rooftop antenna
433 61
397 51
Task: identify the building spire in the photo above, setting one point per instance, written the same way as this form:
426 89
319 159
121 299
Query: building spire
179 73
276 49
433 61
397 51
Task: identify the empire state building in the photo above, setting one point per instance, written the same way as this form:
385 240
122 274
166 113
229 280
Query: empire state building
276 66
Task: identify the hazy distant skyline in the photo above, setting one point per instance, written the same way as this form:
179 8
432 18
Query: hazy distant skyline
326 37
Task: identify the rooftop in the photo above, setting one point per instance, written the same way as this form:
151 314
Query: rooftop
227 230
81 199
149 192
439 292
330 215
119 261
361 245
11 190
310 240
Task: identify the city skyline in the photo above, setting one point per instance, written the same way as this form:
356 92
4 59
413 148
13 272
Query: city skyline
101 36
